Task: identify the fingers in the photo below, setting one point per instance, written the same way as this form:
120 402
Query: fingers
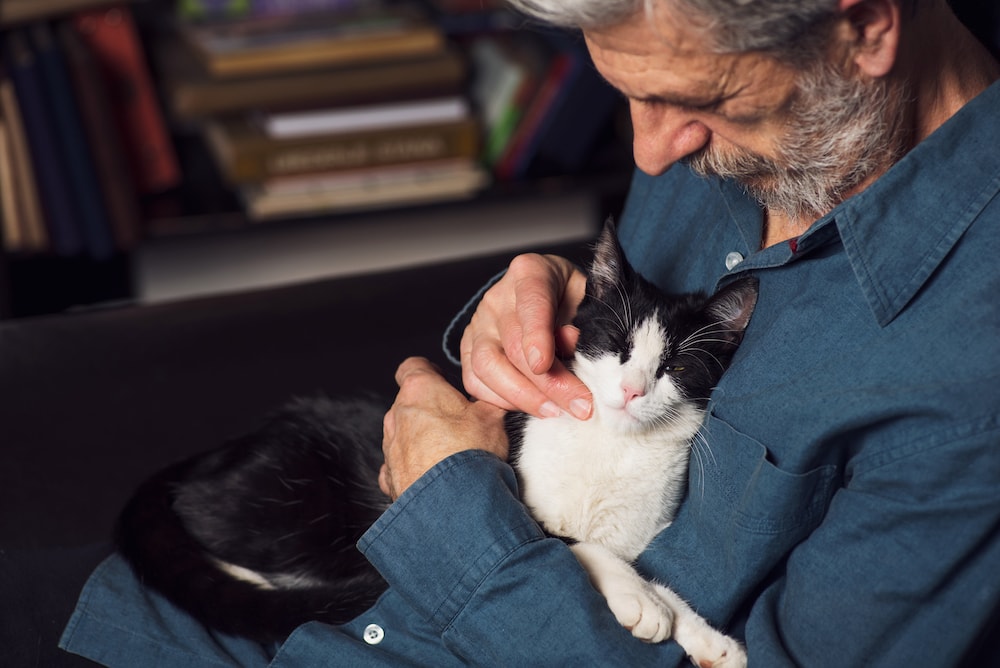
544 395
527 329
566 338
385 482
546 291
509 350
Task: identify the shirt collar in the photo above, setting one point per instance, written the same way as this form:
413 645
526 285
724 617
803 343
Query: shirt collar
898 230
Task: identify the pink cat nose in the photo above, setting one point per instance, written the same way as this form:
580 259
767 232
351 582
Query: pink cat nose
632 391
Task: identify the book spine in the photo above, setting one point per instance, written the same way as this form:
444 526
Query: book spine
29 207
53 183
570 137
414 42
201 10
90 213
103 139
345 152
513 162
11 223
112 37
424 188
193 94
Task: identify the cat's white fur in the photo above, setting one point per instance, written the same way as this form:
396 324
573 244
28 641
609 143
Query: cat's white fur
614 481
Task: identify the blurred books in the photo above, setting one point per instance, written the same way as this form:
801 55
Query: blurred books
18 11
291 41
275 108
228 9
320 110
542 103
83 134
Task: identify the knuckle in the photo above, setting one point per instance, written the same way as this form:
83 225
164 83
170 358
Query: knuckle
484 360
526 263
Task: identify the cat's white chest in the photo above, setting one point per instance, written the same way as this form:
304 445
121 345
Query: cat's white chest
589 483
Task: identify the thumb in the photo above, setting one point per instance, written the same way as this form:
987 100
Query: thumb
566 339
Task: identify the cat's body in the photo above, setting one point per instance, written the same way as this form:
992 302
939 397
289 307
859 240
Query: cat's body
608 485
258 536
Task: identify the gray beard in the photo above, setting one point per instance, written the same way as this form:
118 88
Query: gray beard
841 131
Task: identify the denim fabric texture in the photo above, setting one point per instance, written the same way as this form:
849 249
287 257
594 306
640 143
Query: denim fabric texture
843 501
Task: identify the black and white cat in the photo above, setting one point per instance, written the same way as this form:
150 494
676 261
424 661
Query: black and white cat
611 483
258 536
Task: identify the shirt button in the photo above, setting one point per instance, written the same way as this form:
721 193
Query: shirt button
733 259
373 634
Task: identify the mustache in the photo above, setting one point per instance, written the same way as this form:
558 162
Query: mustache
737 164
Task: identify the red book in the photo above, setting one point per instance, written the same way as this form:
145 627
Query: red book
111 36
514 161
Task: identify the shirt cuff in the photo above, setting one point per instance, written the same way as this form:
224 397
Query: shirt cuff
448 531
452 338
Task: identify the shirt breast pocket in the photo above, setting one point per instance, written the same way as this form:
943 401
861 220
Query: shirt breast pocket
746 504
741 517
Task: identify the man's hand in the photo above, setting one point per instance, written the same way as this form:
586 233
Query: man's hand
429 421
509 350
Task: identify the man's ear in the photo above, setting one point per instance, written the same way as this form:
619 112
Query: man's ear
874 27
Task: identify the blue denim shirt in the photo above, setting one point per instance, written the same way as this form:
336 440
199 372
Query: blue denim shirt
843 504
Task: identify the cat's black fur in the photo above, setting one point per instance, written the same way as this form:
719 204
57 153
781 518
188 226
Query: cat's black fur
296 495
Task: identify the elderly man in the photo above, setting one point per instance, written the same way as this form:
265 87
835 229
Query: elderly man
844 152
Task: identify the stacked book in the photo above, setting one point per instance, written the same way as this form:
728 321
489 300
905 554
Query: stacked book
321 106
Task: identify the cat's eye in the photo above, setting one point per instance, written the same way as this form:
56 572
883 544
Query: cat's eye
669 368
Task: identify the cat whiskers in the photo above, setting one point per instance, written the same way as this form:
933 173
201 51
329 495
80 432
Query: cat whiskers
284 503
719 328
623 324
699 443
695 341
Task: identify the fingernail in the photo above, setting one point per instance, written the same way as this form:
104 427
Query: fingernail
534 358
580 408
549 410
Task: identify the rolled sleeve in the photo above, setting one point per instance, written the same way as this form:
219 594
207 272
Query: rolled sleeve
447 532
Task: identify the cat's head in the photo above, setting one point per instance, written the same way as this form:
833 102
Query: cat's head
646 356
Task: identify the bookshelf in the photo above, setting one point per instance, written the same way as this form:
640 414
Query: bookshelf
177 185
160 180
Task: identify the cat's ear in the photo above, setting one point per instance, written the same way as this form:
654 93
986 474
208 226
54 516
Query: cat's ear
609 266
732 307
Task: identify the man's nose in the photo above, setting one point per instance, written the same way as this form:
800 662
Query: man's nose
663 134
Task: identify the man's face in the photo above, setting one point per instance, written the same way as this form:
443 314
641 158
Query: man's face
799 141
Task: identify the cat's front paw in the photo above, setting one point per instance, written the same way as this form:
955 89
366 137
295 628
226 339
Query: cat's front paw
641 611
708 648
635 603
731 655
704 645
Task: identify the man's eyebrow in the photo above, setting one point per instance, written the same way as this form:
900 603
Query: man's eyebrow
686 101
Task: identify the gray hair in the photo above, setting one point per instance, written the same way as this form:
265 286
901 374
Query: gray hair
788 29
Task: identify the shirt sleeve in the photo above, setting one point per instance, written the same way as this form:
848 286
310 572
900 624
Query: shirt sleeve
462 551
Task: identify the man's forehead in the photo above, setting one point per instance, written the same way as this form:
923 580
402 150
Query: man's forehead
637 61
